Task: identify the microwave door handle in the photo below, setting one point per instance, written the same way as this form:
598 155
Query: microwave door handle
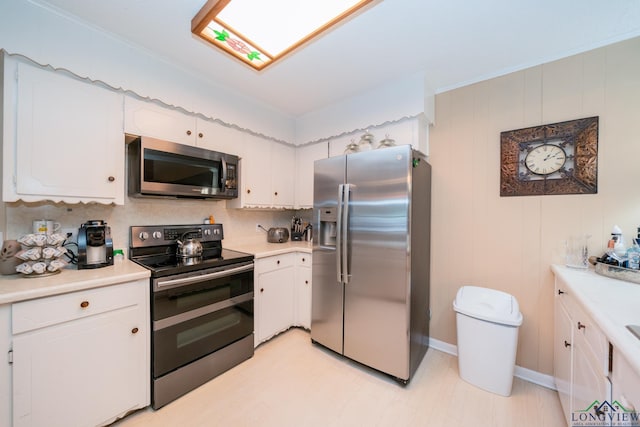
223 178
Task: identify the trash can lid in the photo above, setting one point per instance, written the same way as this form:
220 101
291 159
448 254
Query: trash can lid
488 304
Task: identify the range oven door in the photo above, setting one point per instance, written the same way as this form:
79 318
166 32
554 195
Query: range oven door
196 314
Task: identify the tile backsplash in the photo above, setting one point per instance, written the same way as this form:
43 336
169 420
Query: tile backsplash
238 223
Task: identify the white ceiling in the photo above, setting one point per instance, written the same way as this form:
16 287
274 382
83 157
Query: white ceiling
451 42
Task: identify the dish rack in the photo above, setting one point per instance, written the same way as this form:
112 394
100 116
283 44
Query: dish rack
620 273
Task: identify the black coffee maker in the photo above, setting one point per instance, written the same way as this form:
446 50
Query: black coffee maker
95 247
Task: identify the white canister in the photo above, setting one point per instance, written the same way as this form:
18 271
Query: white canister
45 226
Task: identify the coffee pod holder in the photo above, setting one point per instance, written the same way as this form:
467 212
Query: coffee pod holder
41 255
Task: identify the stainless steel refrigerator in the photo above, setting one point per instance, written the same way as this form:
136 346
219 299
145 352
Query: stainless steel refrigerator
370 288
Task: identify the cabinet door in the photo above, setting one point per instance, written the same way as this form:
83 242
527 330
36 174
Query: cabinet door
220 138
84 372
149 119
303 297
305 157
590 387
5 368
625 382
274 296
68 139
283 175
562 356
255 174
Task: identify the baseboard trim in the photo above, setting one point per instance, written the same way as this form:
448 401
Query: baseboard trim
529 375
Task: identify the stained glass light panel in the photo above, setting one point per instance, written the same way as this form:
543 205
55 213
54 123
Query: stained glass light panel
259 32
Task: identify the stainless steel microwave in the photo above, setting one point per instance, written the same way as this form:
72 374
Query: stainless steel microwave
163 168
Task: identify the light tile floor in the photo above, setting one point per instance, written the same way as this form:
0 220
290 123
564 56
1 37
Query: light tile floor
291 382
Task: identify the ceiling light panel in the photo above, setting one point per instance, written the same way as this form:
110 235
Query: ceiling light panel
259 32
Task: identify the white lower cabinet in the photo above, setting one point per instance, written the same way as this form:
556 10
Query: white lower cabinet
590 384
302 290
5 367
273 289
562 353
581 359
81 359
625 389
282 294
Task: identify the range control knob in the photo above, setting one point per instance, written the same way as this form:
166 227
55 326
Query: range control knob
216 231
143 235
207 232
157 235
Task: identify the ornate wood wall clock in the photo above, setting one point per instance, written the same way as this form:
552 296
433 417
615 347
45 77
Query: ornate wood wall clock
558 158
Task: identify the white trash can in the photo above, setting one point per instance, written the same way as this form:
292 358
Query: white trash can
487 323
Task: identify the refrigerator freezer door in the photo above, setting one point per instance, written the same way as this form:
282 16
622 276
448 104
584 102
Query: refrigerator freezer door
327 302
376 301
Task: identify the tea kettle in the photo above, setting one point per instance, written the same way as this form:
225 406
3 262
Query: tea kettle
190 248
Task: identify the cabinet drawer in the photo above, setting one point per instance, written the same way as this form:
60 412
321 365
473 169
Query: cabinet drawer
42 312
625 382
263 265
303 259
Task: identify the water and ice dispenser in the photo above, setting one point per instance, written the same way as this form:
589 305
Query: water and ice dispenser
328 226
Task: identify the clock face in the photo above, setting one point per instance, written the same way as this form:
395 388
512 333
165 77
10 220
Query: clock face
545 159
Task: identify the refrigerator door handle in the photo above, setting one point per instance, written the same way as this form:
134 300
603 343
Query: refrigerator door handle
339 234
346 271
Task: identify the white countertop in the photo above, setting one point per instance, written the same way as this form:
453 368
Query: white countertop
260 248
612 303
15 287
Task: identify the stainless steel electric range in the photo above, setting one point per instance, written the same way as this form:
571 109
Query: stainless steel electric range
201 306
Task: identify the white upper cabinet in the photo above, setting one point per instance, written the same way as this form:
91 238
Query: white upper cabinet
62 138
150 119
255 174
266 175
305 158
218 137
283 159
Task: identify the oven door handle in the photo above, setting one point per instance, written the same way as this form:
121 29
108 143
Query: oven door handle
195 279
192 314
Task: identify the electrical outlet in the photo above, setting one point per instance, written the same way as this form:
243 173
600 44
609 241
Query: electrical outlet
258 229
71 233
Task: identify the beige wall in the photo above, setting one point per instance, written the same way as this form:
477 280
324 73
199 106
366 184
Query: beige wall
509 243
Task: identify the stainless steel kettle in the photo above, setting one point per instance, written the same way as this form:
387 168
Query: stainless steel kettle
190 248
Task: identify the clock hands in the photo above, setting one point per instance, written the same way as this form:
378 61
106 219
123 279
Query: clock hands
549 156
